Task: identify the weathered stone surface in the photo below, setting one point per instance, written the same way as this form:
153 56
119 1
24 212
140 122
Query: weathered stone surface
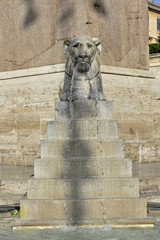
44 119
31 93
149 185
13 183
81 210
13 186
135 116
89 109
82 129
28 122
10 199
8 132
25 46
149 180
142 152
156 128
82 188
20 28
26 105
86 168
84 148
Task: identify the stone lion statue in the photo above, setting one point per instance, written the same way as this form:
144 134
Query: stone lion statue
82 70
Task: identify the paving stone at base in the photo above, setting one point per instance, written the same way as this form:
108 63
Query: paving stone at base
17 223
82 168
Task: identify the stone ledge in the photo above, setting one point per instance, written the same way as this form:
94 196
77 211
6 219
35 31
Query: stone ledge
32 72
58 68
126 72
147 222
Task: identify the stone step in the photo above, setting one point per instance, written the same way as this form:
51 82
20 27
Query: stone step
81 210
88 109
85 129
82 188
82 168
13 186
82 148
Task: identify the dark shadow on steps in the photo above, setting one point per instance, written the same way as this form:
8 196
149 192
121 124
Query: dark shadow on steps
76 172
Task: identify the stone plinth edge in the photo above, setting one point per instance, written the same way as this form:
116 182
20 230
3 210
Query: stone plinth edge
148 222
59 68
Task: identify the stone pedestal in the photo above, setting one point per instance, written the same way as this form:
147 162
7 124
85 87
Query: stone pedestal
35 37
82 176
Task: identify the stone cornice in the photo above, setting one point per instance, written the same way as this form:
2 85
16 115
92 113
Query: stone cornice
60 68
153 7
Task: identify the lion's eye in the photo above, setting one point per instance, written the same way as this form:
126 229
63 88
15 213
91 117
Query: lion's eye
76 45
89 45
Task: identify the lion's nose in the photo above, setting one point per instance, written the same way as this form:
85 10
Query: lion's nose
83 57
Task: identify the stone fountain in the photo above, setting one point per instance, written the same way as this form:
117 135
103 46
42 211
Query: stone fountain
82 177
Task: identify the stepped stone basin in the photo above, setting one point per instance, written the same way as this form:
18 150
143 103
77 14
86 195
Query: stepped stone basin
82 177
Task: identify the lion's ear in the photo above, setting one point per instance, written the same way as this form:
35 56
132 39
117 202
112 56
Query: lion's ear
98 43
66 44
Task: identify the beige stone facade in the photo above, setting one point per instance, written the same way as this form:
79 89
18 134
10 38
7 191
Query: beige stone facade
153 18
136 107
154 30
27 103
32 32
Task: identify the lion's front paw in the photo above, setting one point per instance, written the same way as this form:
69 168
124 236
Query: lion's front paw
101 96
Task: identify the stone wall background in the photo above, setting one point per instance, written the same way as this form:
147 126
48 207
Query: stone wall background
27 103
136 106
32 32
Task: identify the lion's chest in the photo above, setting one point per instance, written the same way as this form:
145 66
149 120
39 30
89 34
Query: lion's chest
81 86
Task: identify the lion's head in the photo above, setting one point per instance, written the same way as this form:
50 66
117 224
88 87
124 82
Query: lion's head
82 70
83 52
